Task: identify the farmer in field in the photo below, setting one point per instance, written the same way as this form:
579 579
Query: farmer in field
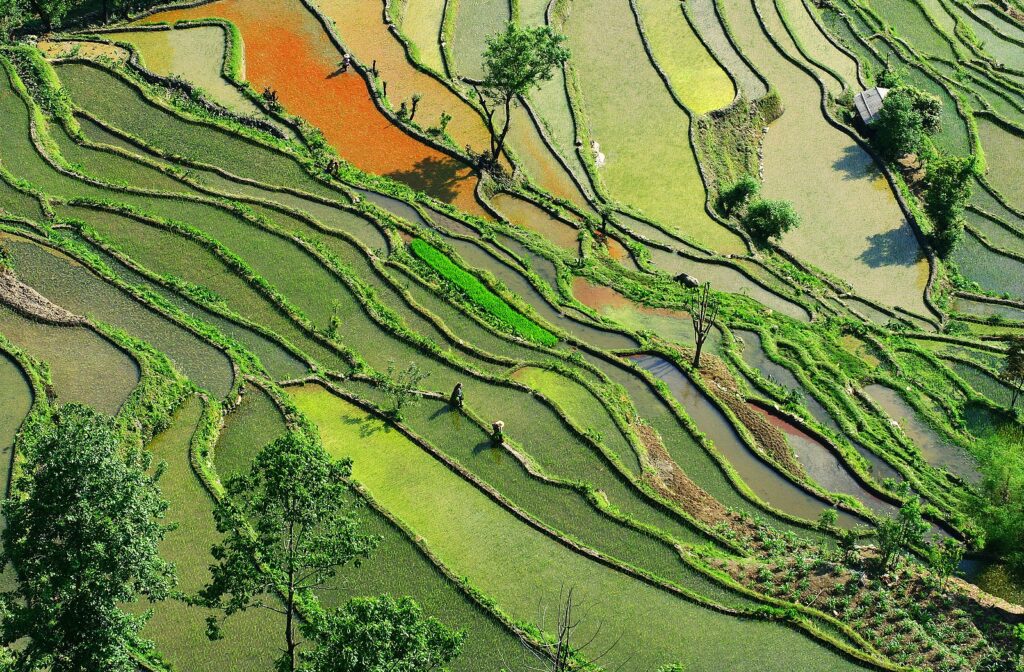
456 398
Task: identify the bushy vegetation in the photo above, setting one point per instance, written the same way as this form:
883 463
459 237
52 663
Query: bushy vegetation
485 298
947 192
768 219
908 116
739 194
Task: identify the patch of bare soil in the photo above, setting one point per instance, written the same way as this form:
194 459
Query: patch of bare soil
28 302
674 484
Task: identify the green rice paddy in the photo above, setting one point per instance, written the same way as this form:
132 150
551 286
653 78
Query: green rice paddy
477 538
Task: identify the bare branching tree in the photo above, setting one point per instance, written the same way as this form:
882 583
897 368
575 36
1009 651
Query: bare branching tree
565 651
703 313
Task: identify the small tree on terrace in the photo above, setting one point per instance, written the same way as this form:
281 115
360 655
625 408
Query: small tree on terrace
379 635
768 220
289 525
738 194
900 533
703 312
400 387
82 533
1013 369
944 558
948 189
906 118
516 61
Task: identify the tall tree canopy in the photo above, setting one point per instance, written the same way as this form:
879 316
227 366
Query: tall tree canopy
83 524
907 117
380 635
290 524
515 62
948 189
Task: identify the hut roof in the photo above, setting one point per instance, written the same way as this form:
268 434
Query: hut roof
869 103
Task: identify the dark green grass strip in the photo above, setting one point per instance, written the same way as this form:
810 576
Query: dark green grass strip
508 316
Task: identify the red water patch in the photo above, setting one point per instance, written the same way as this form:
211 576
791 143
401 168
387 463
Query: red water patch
616 250
286 49
601 298
598 297
781 423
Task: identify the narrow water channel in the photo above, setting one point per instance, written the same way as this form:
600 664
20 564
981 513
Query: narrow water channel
822 464
766 483
936 450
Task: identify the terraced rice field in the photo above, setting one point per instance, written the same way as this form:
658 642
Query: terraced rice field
875 250
286 247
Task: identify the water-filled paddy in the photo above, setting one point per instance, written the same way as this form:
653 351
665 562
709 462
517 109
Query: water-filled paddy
857 232
195 54
15 402
72 286
1002 153
84 366
359 25
697 79
708 26
255 423
526 214
935 449
421 24
822 465
814 42
288 51
476 538
770 486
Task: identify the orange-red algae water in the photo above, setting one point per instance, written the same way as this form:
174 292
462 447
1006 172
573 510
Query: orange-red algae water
286 49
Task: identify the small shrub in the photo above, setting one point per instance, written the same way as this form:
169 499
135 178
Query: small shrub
738 194
769 219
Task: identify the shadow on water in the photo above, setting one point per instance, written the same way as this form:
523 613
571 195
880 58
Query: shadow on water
437 177
888 249
855 163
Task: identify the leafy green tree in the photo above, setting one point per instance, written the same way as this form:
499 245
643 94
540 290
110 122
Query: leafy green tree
52 12
898 534
769 219
945 557
13 14
83 524
515 62
289 525
906 118
899 130
998 508
738 194
947 192
1013 368
379 635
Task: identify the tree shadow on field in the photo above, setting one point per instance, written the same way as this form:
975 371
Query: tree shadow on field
855 163
891 248
367 426
438 177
